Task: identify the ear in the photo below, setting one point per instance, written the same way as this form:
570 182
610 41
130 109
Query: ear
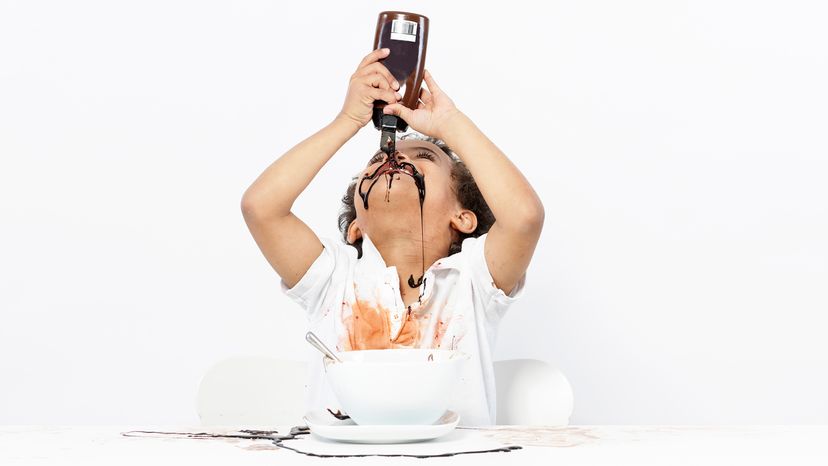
464 221
354 232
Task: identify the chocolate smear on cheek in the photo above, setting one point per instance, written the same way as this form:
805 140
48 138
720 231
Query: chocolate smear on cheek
389 168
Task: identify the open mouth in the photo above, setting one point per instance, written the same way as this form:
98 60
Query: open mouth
397 170
389 168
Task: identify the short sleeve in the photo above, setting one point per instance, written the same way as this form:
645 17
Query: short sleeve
482 281
310 291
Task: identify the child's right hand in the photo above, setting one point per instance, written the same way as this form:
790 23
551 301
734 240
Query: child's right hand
371 81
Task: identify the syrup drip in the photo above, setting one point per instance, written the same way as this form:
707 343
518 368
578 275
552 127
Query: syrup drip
389 168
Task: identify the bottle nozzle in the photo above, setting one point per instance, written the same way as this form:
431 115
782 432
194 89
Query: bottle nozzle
388 138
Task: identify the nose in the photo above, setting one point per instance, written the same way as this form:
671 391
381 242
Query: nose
401 156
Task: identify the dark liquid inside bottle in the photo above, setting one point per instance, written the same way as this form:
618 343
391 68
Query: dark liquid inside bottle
406 35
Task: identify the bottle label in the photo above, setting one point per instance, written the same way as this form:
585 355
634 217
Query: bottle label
403 30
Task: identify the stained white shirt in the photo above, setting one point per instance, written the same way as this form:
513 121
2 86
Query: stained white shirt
354 304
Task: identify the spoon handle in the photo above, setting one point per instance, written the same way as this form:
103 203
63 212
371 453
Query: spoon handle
317 343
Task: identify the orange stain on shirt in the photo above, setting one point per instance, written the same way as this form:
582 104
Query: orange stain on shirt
369 327
439 333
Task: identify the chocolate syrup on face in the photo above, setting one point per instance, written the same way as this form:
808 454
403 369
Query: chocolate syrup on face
389 168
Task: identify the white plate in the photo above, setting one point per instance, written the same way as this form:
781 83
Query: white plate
323 424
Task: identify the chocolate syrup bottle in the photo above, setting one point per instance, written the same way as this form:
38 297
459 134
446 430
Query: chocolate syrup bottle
406 35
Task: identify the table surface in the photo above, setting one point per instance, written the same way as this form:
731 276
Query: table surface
571 445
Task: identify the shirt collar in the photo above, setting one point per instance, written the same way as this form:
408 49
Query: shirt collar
370 254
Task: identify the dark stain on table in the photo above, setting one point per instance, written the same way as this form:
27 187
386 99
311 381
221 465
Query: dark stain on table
279 439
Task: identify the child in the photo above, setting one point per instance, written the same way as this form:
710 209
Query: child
443 280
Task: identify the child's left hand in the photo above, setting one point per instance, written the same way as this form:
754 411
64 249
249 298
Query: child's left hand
433 112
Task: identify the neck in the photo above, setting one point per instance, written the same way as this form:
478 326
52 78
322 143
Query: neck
408 256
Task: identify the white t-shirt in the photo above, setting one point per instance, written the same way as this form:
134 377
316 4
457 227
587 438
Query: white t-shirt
460 309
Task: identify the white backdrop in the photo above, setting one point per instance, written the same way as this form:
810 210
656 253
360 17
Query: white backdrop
679 148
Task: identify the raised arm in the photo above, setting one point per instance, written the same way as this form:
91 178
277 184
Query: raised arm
287 243
517 208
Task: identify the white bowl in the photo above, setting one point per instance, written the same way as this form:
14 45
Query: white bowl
396 386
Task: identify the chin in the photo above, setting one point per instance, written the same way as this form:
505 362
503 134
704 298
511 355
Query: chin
393 219
398 199
391 213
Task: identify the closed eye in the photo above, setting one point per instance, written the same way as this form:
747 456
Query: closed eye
425 155
379 156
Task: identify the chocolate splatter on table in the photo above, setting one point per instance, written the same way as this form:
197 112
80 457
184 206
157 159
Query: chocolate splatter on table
570 445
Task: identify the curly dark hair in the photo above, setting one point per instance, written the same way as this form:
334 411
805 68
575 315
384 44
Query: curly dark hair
464 188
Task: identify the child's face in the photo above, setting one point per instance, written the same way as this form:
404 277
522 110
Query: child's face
400 214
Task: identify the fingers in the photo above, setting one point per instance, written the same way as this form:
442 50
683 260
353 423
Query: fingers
386 95
376 80
373 57
399 110
381 69
425 96
432 85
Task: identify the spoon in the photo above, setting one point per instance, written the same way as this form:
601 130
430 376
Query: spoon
317 343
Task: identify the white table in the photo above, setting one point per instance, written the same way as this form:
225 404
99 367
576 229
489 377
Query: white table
572 445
